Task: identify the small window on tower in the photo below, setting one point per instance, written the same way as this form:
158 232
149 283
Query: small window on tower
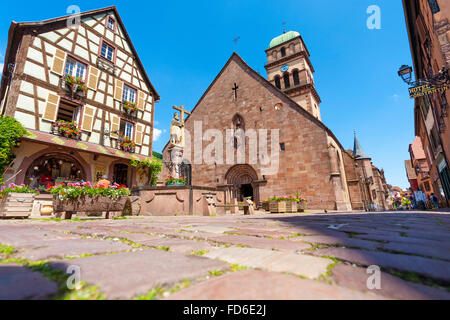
282 147
296 78
283 52
278 82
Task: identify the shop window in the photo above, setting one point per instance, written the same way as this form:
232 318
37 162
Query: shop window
52 169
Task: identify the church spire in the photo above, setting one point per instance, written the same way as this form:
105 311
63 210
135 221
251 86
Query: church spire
358 151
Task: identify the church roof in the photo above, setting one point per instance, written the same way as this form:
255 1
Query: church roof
285 37
246 68
358 151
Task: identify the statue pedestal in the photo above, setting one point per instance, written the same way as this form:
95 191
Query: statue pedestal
176 160
179 200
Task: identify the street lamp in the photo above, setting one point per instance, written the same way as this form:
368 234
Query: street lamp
442 78
405 73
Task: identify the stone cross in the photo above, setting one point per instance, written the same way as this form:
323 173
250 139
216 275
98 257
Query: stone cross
182 112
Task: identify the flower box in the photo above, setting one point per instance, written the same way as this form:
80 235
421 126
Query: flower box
276 206
291 207
301 206
265 205
169 184
16 205
88 204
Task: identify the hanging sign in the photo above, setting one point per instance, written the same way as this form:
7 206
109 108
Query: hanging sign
425 89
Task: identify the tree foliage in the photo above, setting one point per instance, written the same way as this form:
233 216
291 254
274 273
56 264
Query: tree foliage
11 131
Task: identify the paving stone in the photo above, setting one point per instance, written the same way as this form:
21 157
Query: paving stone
125 275
347 242
23 236
19 283
436 269
53 249
260 285
300 264
178 245
211 229
263 233
440 252
264 243
391 286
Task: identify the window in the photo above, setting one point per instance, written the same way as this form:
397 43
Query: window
110 24
107 52
126 129
129 94
282 147
374 194
278 82
287 83
283 52
296 78
75 68
434 6
68 112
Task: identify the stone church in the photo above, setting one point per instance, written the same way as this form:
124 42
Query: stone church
311 160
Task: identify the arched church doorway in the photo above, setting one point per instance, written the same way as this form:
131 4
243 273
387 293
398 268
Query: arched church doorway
244 179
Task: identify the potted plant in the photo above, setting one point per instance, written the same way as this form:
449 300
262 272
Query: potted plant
277 204
76 85
68 129
301 203
171 181
126 144
85 197
129 107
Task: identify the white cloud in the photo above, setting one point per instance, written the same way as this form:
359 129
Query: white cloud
395 97
156 134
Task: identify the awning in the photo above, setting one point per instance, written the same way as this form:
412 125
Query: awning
47 138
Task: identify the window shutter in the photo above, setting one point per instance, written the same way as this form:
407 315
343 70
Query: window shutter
139 134
94 74
58 62
141 101
88 118
51 108
115 126
118 92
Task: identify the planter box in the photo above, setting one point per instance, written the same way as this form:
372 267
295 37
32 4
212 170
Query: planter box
291 207
277 206
178 184
265 206
17 205
89 204
302 206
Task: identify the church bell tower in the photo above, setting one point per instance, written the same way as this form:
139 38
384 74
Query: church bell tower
290 70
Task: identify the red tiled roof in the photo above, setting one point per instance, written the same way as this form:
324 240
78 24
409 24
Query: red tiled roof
47 138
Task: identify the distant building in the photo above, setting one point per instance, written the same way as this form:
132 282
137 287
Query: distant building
420 167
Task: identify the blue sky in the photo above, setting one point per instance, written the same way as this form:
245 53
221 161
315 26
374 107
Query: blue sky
184 44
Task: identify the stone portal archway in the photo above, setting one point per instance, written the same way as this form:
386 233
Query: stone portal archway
244 179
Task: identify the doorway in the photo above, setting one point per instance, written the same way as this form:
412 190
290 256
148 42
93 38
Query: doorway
121 174
247 191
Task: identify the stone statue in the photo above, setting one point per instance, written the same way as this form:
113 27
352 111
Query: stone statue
176 145
177 131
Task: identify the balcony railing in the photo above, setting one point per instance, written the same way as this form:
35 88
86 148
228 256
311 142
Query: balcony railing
106 65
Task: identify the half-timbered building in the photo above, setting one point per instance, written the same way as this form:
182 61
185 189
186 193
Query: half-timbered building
77 84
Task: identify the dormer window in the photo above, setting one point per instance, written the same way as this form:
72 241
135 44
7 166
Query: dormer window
107 51
110 23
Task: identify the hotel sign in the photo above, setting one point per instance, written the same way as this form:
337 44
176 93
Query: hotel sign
426 89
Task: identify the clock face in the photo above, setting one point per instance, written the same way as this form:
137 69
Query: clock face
285 68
